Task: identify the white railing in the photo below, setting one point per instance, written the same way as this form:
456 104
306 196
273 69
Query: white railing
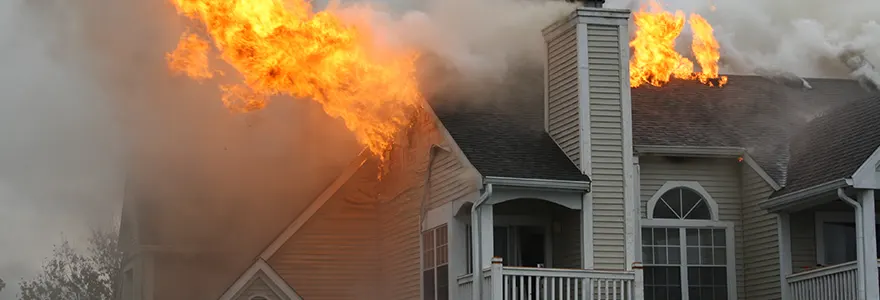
518 283
835 282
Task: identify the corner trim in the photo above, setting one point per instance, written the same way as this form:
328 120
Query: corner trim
539 183
709 152
865 176
313 208
630 198
583 78
260 265
776 204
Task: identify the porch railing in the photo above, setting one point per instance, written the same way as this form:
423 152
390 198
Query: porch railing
834 282
518 283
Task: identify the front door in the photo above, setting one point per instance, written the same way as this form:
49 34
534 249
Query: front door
521 246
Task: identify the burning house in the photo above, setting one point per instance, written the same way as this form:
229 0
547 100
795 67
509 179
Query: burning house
609 175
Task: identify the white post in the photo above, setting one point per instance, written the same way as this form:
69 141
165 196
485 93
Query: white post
587 231
639 284
487 236
783 223
866 198
497 285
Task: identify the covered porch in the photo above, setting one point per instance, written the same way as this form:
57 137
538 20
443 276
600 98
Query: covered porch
528 243
828 246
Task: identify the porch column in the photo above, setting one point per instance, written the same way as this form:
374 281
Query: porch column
487 237
872 286
783 222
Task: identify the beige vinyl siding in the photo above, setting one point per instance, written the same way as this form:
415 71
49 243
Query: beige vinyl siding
563 119
803 240
606 145
260 286
761 249
567 241
401 205
333 256
720 178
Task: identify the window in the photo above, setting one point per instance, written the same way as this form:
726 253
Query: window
836 237
435 264
686 252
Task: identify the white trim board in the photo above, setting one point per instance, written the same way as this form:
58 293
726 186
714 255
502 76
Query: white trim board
830 216
260 266
692 185
866 176
313 208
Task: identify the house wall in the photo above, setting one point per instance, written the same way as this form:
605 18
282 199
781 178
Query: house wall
404 200
333 256
563 118
761 248
720 178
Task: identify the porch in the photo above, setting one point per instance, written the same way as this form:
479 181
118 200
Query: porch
828 247
529 244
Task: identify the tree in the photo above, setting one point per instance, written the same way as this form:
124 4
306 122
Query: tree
71 275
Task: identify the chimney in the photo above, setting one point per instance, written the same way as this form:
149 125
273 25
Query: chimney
593 3
587 112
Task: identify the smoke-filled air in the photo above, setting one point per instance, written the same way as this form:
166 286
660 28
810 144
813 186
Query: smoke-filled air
245 110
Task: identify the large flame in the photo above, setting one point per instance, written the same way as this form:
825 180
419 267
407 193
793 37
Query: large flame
283 48
654 59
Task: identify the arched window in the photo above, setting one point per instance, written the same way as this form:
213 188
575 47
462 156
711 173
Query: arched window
682 203
682 200
685 249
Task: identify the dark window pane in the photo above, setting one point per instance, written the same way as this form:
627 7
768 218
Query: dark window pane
672 236
706 256
675 293
659 236
693 238
720 276
660 277
694 293
694 276
673 198
700 212
428 239
646 236
689 199
443 283
693 255
661 293
706 293
661 211
674 255
660 255
649 275
674 276
649 293
720 256
721 293
428 281
705 237
648 255
719 236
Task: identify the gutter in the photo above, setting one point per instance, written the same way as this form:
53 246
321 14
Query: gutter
477 272
538 183
786 201
860 242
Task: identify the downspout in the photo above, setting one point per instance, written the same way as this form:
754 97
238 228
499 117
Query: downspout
476 244
860 242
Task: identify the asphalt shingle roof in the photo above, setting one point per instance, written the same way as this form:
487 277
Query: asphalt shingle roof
504 136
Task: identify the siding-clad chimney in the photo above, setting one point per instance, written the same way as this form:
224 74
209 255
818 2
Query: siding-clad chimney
588 114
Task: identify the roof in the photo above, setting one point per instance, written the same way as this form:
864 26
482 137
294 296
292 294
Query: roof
500 127
505 138
834 145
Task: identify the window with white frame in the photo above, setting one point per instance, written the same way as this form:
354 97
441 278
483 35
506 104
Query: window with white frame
687 253
435 264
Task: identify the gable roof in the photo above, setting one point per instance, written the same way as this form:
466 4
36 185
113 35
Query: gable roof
835 145
500 128
261 271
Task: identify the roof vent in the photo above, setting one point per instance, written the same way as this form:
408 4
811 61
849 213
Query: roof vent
862 69
784 78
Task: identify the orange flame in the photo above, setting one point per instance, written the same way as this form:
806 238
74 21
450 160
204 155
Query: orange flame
283 48
654 59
